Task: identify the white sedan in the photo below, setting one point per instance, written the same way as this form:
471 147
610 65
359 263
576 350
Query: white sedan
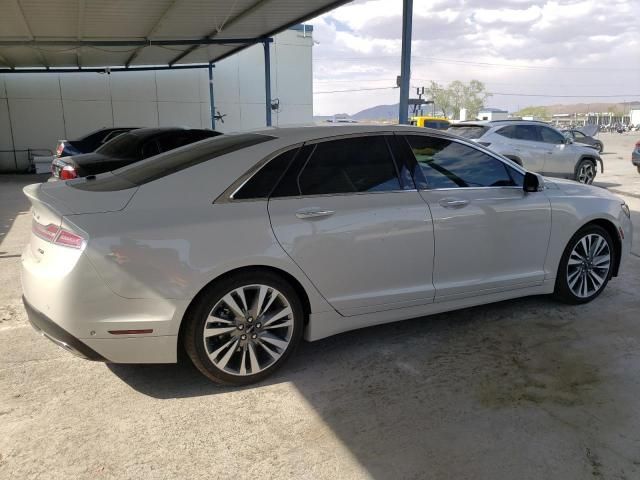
237 247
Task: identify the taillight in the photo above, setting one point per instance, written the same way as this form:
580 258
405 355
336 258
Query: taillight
59 149
68 172
56 235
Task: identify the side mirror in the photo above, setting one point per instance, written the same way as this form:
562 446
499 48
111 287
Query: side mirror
531 182
568 141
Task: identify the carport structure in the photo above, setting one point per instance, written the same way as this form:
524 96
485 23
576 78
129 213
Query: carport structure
98 36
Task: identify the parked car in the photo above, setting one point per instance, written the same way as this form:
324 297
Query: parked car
238 246
580 137
90 142
438 123
635 156
535 145
125 149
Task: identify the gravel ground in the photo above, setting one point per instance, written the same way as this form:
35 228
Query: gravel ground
524 389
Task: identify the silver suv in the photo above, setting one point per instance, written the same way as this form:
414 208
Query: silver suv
536 146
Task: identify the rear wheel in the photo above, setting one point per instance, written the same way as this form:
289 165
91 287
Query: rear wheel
586 171
243 328
586 265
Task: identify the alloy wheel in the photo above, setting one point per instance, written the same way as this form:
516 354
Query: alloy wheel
586 173
248 329
588 265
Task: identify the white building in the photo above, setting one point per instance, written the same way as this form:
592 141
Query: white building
492 114
38 109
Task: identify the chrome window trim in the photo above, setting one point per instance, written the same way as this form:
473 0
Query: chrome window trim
231 190
227 195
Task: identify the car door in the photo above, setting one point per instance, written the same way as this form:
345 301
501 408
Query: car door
350 217
523 142
490 235
560 159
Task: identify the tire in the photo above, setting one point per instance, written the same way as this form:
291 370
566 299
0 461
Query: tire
570 280
586 171
250 345
638 167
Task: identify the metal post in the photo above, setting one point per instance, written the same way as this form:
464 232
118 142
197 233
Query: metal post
212 105
267 81
405 66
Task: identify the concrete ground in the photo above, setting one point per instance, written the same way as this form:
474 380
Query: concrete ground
524 389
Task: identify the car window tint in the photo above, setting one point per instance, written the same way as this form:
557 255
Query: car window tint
447 164
263 182
577 134
125 145
150 148
509 132
526 132
548 135
361 164
288 185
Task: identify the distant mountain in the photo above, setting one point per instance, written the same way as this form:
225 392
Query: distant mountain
379 112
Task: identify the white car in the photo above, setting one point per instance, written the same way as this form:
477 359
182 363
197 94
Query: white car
238 246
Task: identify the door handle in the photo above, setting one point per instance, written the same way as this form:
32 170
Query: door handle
453 203
313 213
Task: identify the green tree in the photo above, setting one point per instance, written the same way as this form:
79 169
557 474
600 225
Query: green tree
458 95
540 112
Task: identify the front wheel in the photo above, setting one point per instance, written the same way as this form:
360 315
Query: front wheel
586 171
243 328
585 266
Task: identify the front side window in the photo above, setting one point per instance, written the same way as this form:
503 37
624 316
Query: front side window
548 135
448 164
577 134
352 165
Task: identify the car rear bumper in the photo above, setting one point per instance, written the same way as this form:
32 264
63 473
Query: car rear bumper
58 335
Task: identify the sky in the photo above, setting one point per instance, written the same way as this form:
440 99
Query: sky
527 52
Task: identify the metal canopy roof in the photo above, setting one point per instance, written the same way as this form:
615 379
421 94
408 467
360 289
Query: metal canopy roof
101 33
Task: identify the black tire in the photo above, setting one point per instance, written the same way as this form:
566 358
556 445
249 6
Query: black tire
198 316
586 162
562 290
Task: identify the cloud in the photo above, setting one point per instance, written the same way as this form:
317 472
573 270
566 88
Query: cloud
529 46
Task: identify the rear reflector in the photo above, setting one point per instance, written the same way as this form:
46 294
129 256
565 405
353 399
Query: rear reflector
57 235
130 332
68 172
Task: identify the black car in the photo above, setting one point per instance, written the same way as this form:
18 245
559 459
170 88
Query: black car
90 142
126 149
581 137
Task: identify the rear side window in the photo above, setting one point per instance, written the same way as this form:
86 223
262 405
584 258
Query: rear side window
468 131
350 165
447 164
526 132
263 182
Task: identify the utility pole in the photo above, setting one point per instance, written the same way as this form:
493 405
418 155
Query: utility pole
405 66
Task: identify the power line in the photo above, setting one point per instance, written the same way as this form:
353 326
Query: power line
355 90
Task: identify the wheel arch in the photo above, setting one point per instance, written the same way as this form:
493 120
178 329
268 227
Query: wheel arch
612 230
293 281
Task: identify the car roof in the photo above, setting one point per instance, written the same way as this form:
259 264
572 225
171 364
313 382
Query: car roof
313 132
149 132
493 123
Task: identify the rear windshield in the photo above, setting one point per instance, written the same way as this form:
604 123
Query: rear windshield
175 160
123 146
468 131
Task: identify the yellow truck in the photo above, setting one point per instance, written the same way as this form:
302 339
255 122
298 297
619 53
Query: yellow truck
439 123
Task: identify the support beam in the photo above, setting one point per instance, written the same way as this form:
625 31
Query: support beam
153 30
43 60
267 81
102 69
405 66
132 43
212 104
80 31
217 31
